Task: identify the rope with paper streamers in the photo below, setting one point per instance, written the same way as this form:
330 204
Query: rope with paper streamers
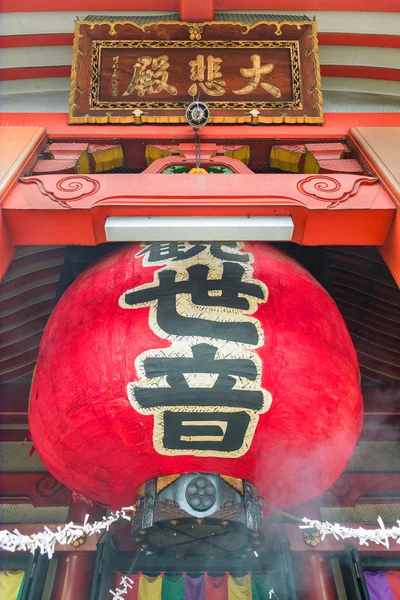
46 541
364 536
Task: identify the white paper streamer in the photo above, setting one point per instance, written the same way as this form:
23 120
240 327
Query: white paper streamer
363 536
126 585
46 541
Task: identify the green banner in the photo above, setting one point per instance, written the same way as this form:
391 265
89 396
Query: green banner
173 588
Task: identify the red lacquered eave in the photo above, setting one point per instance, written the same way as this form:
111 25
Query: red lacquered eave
49 210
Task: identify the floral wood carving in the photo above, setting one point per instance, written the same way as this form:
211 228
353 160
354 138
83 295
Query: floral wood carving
69 189
78 541
329 189
312 538
48 486
340 491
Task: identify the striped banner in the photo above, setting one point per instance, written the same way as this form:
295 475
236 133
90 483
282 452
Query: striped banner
205 587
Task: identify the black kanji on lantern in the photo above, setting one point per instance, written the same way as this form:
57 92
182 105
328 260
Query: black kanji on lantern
204 361
218 252
228 292
205 395
159 251
162 251
208 432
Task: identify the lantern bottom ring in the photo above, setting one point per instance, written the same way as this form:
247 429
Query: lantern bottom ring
197 515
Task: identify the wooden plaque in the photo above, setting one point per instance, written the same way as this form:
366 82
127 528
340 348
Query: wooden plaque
264 73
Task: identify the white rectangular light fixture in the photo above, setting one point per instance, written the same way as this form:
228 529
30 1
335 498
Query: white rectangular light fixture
198 229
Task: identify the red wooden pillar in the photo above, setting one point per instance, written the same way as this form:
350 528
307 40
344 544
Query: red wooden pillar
75 569
74 576
315 576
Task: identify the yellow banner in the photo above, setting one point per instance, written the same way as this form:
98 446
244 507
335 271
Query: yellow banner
239 588
150 588
10 582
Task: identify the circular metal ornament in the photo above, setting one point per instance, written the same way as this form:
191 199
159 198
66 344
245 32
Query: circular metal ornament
201 493
197 114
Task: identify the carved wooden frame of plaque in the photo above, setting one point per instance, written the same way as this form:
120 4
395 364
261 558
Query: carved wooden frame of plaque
298 38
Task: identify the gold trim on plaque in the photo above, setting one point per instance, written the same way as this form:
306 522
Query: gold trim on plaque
159 43
98 45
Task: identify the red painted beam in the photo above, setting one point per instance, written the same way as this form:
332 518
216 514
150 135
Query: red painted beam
381 400
17 73
19 151
336 125
380 151
173 5
14 435
39 489
359 39
382 73
357 488
324 39
381 435
14 402
302 5
89 5
48 39
363 217
381 414
196 11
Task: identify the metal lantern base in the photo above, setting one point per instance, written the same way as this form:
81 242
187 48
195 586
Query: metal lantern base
198 514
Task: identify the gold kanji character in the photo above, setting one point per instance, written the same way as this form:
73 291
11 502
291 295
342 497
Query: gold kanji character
255 73
150 76
215 84
114 78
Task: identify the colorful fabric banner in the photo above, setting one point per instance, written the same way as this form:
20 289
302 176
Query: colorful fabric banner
383 585
394 582
239 588
10 584
195 588
150 587
205 587
217 588
21 587
132 593
173 588
259 587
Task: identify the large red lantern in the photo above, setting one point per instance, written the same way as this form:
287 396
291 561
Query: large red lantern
217 358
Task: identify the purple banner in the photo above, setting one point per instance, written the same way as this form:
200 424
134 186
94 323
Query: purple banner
378 586
195 588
